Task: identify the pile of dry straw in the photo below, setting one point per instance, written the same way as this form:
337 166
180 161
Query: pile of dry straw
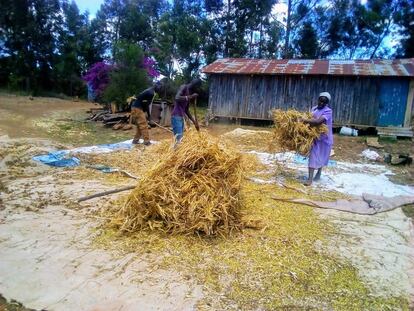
193 189
294 135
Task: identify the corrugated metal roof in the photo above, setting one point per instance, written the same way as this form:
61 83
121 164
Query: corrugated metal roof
397 68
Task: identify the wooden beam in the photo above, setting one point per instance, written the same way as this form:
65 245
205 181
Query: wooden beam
410 102
395 131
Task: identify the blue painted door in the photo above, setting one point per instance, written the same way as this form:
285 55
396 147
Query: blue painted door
393 95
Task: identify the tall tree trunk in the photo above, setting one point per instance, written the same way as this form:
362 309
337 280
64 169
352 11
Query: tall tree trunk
226 49
260 39
251 43
117 26
288 26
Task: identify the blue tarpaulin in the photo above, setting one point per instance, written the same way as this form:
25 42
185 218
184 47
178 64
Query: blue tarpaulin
65 158
58 159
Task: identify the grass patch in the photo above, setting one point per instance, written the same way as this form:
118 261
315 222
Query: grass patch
284 265
76 130
201 113
408 210
7 92
12 305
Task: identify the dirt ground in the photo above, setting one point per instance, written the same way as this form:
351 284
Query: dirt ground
349 149
55 254
64 122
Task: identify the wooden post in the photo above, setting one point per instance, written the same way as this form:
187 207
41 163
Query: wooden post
410 102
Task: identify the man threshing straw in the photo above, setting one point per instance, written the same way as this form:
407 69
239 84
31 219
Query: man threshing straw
139 107
321 148
184 95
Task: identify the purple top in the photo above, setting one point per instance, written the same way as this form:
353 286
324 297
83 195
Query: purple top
181 105
326 113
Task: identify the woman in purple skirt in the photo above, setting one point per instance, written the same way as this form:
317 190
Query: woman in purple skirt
321 148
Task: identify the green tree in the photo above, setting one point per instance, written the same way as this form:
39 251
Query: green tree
252 20
28 30
128 76
328 27
274 35
307 43
377 19
298 11
133 21
69 61
164 47
192 31
349 29
404 18
243 28
185 39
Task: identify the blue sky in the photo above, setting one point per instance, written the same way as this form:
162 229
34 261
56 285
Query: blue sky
91 5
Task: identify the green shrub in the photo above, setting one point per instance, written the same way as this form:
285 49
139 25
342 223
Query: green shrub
128 76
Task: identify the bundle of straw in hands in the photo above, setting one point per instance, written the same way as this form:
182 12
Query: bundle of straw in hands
293 134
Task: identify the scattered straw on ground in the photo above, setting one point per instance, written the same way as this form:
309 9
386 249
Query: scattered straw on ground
283 267
294 135
249 139
135 161
193 189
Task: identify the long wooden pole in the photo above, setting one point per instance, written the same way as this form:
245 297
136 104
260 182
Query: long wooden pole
101 194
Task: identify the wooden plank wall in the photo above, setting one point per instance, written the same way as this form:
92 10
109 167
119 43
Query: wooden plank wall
355 100
409 112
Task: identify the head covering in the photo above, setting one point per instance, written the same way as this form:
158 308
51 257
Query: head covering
325 94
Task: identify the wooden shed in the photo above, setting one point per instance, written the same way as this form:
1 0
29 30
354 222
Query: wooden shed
364 93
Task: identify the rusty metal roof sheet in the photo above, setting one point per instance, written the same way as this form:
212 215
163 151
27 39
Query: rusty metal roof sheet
397 68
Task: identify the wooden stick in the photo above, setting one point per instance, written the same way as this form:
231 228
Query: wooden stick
292 188
160 126
128 174
195 110
101 194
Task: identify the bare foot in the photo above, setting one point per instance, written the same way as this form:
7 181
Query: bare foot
308 183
